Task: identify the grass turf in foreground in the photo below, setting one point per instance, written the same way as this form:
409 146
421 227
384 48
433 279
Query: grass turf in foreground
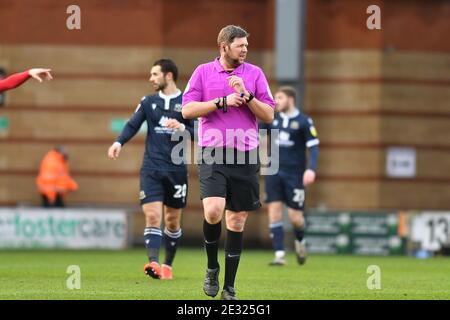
119 275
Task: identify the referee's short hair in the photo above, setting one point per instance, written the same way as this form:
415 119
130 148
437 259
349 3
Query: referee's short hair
167 65
289 91
229 33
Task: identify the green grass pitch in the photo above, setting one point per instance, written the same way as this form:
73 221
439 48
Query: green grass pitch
119 275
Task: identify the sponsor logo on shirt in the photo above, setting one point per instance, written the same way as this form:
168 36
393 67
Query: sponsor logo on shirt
162 128
163 120
284 139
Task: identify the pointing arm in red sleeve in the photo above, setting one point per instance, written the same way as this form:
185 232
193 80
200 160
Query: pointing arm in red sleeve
14 80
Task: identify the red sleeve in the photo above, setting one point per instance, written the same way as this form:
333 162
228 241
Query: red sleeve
14 80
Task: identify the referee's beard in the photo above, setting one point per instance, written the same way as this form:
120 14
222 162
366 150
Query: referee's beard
232 61
236 63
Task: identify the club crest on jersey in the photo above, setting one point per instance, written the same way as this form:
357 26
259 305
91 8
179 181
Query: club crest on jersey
275 122
142 195
295 125
153 106
177 107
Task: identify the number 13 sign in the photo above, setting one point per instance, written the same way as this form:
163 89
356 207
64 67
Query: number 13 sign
432 230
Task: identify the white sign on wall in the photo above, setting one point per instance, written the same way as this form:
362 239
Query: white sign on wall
401 162
63 228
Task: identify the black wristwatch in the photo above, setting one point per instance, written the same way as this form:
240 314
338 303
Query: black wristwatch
217 103
250 97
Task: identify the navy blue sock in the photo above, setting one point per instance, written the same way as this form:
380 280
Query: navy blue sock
299 233
277 235
152 238
171 244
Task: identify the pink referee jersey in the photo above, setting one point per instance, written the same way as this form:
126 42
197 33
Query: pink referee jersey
237 128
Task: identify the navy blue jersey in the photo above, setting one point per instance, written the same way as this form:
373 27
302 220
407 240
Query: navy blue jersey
296 134
156 110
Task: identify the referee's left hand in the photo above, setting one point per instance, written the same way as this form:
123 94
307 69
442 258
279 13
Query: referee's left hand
309 177
237 84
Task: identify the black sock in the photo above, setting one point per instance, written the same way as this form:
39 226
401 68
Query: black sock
299 233
171 244
152 238
233 249
211 233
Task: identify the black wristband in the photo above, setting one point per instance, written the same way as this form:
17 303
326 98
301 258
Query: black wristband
225 105
218 103
250 98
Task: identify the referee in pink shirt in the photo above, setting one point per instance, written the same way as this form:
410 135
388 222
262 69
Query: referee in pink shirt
229 96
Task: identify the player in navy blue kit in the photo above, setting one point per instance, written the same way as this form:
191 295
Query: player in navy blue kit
296 134
164 183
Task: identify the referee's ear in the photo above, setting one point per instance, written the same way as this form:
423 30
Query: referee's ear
222 47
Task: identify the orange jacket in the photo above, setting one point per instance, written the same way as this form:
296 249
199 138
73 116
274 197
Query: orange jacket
54 176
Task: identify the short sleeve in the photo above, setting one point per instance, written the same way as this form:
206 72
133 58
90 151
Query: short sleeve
193 91
263 93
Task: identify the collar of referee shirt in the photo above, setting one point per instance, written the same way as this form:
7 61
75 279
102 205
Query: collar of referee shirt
239 70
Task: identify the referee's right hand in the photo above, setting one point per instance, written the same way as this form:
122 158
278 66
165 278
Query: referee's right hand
114 150
235 100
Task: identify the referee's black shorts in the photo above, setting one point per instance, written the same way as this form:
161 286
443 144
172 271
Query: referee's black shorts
237 183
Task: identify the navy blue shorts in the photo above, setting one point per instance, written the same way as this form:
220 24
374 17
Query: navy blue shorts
170 187
286 187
